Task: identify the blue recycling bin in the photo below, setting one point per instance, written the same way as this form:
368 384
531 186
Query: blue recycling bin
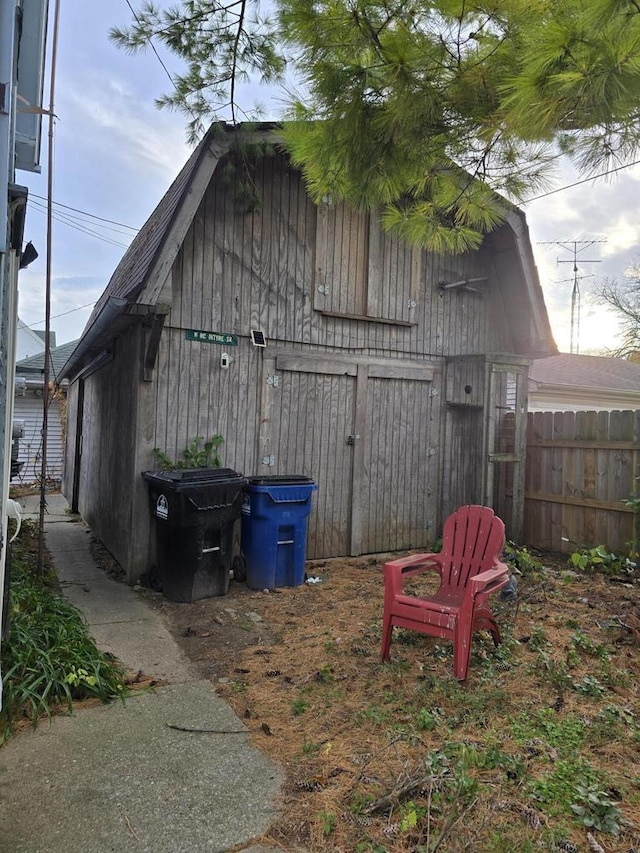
274 530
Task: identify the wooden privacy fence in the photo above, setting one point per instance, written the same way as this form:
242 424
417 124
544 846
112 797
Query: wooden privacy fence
580 466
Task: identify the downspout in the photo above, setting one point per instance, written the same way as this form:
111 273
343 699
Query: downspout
7 268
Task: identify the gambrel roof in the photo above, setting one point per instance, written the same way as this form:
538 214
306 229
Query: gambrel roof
136 286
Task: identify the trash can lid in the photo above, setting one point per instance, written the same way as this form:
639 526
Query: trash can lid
281 480
184 477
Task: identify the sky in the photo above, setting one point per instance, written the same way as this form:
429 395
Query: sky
116 154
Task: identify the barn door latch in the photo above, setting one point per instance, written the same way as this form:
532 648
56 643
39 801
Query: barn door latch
351 439
269 460
274 381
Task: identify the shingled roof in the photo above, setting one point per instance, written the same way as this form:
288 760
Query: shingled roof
130 276
586 371
157 238
34 364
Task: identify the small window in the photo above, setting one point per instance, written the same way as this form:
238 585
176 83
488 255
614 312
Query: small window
361 271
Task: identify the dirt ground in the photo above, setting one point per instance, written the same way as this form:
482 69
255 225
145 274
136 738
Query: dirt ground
301 668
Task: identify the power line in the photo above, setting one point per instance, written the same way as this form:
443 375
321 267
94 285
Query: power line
583 181
159 58
63 314
85 213
69 223
151 44
86 223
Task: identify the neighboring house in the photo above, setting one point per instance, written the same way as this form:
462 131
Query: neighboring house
23 25
28 411
29 342
583 383
315 344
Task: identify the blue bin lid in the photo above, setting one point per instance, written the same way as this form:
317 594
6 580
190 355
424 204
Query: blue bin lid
281 480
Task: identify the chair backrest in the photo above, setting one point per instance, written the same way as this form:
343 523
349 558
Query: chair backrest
472 541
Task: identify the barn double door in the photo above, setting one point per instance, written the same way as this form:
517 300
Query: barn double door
368 434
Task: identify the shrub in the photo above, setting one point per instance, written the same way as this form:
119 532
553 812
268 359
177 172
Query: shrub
48 660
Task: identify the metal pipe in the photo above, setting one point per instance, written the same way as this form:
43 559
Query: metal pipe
47 291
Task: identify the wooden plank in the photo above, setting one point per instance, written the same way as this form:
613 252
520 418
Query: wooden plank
383 369
304 364
552 460
359 316
583 444
589 427
601 533
267 400
361 497
577 501
520 446
565 423
416 374
373 306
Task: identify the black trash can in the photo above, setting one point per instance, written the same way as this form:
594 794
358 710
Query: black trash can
195 511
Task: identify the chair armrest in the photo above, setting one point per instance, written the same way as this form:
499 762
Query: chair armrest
493 578
396 571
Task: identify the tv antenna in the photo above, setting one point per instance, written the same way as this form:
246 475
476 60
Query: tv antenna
572 246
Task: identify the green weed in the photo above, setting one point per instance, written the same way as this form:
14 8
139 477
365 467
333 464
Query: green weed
327 822
299 706
596 810
193 456
589 686
522 560
538 640
567 734
49 660
601 560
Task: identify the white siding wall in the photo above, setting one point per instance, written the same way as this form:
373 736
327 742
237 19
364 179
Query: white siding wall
29 410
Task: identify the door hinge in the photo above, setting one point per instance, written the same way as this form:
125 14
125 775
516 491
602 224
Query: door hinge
274 381
269 460
433 392
324 289
351 439
411 303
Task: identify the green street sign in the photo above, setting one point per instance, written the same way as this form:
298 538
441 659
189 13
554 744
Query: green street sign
212 337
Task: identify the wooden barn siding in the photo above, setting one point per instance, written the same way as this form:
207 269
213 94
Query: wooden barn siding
580 467
249 270
68 470
311 440
402 461
108 475
237 271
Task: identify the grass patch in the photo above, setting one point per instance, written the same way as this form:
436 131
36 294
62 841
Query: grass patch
49 661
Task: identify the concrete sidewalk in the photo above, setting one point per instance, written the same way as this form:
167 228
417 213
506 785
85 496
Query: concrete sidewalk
117 778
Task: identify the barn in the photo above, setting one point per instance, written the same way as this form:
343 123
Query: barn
314 343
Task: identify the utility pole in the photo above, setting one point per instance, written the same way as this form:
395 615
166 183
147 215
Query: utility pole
572 246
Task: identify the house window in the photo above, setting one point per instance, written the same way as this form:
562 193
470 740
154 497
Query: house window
361 271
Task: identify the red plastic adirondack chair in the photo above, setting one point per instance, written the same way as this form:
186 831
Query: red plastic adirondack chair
470 570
